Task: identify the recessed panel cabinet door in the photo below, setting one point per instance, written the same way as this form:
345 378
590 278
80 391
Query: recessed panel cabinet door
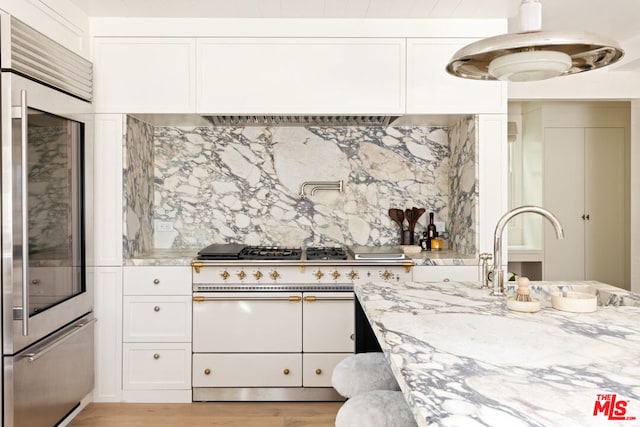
145 75
431 90
301 75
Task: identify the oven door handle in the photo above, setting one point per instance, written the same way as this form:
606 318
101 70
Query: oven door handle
290 299
312 298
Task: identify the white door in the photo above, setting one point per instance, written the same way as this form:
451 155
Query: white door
564 196
604 203
584 185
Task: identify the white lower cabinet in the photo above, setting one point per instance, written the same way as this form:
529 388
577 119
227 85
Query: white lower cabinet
157 366
156 361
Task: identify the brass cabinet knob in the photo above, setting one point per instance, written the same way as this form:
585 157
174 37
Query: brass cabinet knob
156 356
225 275
335 275
387 275
156 281
318 371
286 372
353 275
156 308
207 371
319 274
258 275
242 275
274 275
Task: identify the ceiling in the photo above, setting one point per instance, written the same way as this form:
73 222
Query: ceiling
616 19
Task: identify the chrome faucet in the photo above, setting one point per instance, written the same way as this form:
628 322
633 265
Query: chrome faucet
498 272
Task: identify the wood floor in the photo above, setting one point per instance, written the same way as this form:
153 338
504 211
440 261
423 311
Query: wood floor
229 414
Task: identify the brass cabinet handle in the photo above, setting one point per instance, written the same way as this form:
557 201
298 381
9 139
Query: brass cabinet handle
286 372
156 308
318 371
295 299
207 371
156 281
310 298
156 356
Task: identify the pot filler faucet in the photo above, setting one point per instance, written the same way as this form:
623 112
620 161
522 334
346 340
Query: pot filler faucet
498 272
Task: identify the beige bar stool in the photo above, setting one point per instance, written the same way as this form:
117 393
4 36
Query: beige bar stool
363 372
378 408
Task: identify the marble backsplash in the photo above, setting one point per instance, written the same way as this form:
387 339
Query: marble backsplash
242 184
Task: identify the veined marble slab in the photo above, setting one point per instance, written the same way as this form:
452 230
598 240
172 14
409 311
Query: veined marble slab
446 257
463 359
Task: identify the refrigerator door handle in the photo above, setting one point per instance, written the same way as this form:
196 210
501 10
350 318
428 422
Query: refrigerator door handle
77 328
21 112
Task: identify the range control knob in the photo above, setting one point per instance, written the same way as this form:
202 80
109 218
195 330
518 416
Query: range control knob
386 275
274 275
258 275
225 275
242 275
335 275
319 274
353 275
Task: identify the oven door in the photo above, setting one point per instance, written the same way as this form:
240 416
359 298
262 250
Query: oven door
44 136
247 322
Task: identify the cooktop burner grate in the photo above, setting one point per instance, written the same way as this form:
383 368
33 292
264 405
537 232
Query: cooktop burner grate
270 253
316 253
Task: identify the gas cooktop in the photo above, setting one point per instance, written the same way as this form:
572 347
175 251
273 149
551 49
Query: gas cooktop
275 253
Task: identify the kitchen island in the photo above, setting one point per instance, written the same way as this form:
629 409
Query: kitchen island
463 359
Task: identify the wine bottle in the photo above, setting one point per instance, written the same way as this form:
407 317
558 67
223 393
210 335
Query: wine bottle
431 227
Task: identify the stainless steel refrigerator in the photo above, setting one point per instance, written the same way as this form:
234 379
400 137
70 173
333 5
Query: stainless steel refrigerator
47 298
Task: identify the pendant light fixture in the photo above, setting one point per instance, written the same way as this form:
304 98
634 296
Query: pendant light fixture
533 54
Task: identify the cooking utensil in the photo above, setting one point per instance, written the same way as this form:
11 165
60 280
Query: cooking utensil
398 217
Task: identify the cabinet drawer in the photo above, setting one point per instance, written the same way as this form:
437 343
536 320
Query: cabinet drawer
317 368
247 370
156 366
157 319
157 280
446 273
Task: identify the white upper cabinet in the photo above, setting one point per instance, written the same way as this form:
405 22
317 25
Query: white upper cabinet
301 75
145 75
431 90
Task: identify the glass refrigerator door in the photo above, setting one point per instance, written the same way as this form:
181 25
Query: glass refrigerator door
54 160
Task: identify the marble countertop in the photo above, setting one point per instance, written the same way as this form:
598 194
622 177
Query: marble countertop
185 256
463 359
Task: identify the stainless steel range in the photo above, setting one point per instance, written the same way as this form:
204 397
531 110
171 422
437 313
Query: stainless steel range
271 323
